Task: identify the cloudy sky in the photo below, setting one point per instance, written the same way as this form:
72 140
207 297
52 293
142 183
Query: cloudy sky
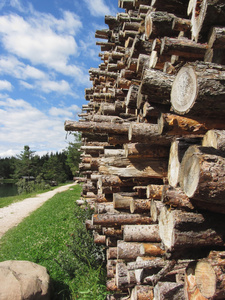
46 50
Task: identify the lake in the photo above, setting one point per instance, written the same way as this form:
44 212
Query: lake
8 189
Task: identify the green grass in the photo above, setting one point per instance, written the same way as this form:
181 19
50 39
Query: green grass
5 201
49 237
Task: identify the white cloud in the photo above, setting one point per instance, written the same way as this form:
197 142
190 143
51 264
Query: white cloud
48 40
65 112
5 85
98 8
23 124
54 86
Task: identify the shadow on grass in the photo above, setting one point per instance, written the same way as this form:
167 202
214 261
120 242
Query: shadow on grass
59 290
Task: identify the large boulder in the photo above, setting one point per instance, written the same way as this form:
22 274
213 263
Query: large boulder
20 280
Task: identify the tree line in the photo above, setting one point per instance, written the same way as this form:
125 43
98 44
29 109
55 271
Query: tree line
50 168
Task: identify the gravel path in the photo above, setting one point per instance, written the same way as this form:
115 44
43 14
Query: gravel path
13 214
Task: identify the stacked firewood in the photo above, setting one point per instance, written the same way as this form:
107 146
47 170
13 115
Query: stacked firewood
153 161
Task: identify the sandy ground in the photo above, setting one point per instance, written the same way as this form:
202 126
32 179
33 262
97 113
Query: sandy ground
13 214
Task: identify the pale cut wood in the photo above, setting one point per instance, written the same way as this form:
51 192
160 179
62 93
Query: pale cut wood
217 38
206 14
198 89
177 150
121 202
198 165
215 139
182 230
155 210
141 233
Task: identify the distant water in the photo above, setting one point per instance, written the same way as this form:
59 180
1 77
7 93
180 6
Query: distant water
8 189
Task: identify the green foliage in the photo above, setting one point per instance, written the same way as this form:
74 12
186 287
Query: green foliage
48 237
27 187
73 155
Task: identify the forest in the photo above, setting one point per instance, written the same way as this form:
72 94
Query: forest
49 169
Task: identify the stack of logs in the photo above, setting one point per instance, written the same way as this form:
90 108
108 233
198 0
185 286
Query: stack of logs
153 159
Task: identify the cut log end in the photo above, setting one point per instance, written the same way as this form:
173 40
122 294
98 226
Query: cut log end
184 90
205 279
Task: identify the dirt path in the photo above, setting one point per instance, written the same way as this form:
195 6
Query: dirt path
13 214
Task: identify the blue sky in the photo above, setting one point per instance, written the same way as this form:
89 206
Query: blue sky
46 50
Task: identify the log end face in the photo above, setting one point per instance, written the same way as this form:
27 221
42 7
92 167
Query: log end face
205 279
184 90
190 171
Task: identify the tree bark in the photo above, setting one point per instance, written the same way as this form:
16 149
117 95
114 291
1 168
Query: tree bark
140 205
154 191
140 150
157 85
183 230
141 233
142 292
108 220
169 290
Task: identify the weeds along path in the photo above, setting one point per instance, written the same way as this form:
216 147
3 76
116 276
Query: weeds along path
13 214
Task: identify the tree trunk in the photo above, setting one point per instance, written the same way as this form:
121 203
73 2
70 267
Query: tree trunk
141 233
140 205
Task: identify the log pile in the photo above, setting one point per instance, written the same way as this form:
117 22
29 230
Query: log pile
153 157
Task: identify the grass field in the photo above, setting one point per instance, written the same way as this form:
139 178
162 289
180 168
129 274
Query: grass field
54 236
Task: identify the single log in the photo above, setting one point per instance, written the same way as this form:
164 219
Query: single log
155 210
131 98
140 205
198 89
154 191
171 124
99 239
142 292
111 21
130 251
183 230
89 226
217 38
103 127
114 152
131 26
177 150
111 253
215 139
142 63
206 14
121 202
140 150
118 139
169 290
183 47
105 207
146 133
108 220
148 168
112 232
141 233
157 85
97 72
175 197
210 276
158 24
111 109
180 24
202 176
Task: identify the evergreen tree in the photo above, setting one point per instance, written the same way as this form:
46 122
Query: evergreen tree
24 166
